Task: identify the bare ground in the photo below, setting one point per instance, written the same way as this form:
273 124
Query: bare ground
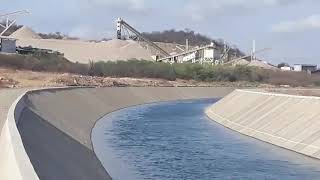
10 78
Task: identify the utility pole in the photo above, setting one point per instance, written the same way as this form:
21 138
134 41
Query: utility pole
187 44
253 55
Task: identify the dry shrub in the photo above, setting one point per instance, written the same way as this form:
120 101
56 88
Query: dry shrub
293 79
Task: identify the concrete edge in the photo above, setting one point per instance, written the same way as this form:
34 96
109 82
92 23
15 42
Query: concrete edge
254 91
18 165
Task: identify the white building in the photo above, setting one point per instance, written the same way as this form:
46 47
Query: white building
304 67
286 68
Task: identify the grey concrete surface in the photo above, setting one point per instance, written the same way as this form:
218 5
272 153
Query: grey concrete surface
56 125
7 97
75 111
14 161
55 155
288 121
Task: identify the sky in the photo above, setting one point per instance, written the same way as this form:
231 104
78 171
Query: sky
290 28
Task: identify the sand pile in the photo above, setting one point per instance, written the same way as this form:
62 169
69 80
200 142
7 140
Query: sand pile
82 51
236 62
261 64
242 62
26 33
116 43
254 63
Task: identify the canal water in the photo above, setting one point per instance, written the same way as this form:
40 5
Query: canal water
176 140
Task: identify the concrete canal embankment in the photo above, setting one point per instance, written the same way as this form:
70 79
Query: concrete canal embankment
288 121
46 133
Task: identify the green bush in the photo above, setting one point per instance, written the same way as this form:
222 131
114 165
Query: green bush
134 68
42 62
217 73
316 83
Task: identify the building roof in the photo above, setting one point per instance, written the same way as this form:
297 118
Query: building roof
305 65
7 37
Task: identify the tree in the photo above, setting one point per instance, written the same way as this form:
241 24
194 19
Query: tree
179 37
283 64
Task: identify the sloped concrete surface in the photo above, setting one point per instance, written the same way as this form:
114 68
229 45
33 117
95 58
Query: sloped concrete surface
56 124
54 154
14 162
288 121
7 97
75 111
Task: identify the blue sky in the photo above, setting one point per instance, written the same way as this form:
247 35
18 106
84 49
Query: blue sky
290 27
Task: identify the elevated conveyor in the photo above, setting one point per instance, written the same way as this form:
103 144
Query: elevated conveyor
124 26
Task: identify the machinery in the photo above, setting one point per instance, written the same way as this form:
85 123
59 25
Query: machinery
204 54
212 53
123 27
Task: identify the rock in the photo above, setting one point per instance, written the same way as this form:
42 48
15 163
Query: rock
118 84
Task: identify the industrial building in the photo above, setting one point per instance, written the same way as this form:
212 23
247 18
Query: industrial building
7 45
286 68
205 54
304 67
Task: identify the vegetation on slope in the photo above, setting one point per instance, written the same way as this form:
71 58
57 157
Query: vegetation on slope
133 68
41 62
147 69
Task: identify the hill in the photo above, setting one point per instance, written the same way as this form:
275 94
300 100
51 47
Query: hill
179 37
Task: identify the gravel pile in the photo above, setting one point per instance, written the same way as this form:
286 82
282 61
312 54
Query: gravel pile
83 51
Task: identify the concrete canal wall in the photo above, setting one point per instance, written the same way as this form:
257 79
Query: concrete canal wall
288 121
14 161
46 133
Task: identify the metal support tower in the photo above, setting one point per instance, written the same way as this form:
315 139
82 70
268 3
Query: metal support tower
249 56
8 22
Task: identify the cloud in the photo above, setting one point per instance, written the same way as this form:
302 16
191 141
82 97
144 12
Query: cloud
308 23
201 10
